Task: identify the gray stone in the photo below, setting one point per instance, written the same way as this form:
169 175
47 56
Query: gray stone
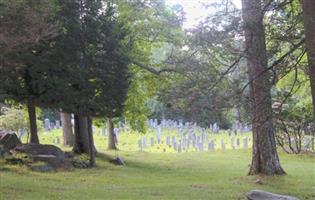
262 195
41 149
42 168
118 161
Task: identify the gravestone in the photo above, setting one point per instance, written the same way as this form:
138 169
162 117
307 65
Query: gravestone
22 132
144 144
52 125
173 139
238 143
152 141
245 143
212 145
179 148
233 143
222 144
140 144
175 146
47 124
158 134
168 140
57 124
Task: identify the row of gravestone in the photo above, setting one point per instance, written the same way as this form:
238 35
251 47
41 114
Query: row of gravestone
185 144
48 125
173 124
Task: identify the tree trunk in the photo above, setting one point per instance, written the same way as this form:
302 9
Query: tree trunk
91 143
111 135
265 159
81 135
68 136
309 26
32 119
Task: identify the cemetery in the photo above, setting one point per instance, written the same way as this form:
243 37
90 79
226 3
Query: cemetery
157 99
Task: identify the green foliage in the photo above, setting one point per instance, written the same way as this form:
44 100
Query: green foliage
15 119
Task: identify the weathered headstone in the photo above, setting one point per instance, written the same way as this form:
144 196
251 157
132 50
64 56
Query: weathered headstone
47 124
238 143
168 140
245 143
58 125
140 144
222 144
235 132
152 141
232 143
158 134
144 143
179 147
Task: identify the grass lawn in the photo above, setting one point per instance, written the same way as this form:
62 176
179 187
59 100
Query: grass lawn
195 175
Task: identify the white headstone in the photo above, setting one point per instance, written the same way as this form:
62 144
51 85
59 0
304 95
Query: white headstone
57 124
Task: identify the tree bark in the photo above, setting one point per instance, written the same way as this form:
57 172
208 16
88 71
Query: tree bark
68 137
111 135
309 26
32 119
91 143
265 159
81 137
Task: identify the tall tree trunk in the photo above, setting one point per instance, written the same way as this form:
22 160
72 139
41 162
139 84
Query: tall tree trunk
309 26
265 159
81 135
68 137
91 143
32 119
111 135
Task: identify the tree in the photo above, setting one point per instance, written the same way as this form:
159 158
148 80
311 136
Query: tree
23 24
309 26
68 137
93 60
111 135
265 159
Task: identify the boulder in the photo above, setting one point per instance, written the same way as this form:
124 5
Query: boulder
118 161
52 160
10 141
49 154
262 195
4 152
41 149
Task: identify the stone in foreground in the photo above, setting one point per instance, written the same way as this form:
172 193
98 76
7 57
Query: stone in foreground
49 154
262 195
118 161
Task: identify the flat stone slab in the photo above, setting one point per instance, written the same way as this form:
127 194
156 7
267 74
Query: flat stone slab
262 195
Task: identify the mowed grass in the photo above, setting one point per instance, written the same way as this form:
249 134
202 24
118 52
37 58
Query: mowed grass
153 175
